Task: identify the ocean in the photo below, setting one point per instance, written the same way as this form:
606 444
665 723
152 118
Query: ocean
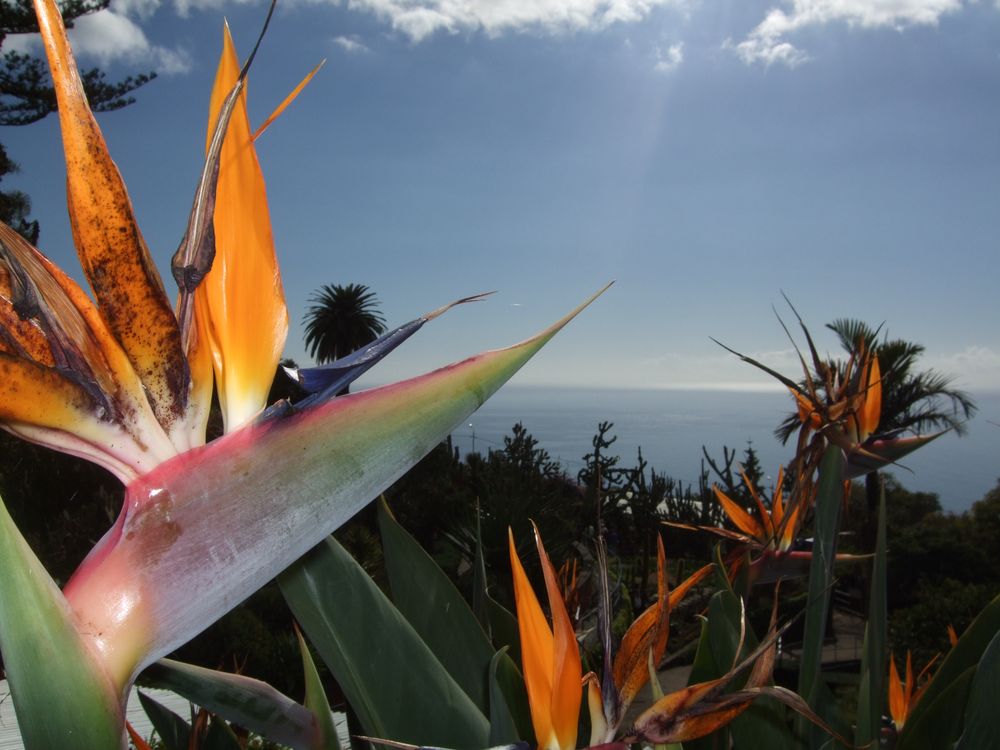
671 426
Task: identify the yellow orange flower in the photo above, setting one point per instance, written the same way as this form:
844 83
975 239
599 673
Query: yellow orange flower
243 283
550 656
124 380
903 695
644 643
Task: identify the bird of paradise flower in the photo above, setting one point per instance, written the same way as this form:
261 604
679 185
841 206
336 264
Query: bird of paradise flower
552 672
125 380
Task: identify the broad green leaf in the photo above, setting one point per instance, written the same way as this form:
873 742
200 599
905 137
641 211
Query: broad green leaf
395 684
713 659
763 724
436 610
242 700
505 682
317 703
62 695
480 597
500 625
863 727
965 654
173 731
503 626
829 498
204 530
872 689
509 679
982 719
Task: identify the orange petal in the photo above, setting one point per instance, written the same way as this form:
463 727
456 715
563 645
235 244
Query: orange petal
785 517
46 407
871 408
567 671
537 648
680 590
286 101
21 337
952 636
767 524
695 725
240 305
736 536
897 699
790 527
136 738
807 411
65 330
111 249
743 520
647 633
665 719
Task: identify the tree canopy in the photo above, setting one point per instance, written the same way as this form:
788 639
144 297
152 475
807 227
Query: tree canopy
341 320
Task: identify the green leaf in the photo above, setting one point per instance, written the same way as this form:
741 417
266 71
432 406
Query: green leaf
763 724
242 700
174 732
390 677
480 597
965 654
939 722
872 688
829 497
436 610
316 702
982 720
63 696
504 683
503 626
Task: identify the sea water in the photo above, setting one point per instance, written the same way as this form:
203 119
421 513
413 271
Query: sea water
671 426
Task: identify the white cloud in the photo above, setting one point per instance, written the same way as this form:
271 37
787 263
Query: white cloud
975 367
768 43
419 19
351 44
670 59
110 35
184 7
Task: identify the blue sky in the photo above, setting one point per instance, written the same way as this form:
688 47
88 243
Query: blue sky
705 155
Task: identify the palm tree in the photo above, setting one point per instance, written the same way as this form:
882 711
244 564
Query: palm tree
341 320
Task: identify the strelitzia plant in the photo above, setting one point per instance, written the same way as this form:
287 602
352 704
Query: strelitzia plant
838 406
642 648
126 381
766 539
552 672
